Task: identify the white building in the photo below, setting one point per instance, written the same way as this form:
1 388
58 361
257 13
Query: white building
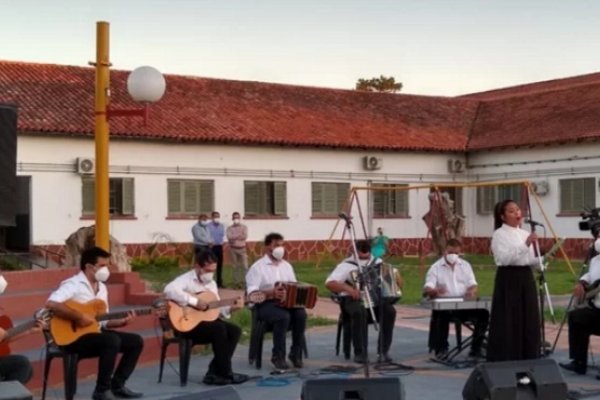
286 156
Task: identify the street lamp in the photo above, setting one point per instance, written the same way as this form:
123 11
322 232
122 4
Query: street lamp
146 85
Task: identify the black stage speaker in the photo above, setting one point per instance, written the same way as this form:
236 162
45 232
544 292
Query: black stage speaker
516 380
222 393
13 390
353 389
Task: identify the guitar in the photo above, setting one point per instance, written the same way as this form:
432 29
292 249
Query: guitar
186 318
40 317
588 298
64 331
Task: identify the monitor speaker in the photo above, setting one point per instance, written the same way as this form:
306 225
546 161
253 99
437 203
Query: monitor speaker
222 393
389 388
516 380
13 390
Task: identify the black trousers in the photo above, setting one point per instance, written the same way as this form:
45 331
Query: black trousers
223 337
582 323
15 368
106 345
515 330
439 326
361 316
282 319
218 252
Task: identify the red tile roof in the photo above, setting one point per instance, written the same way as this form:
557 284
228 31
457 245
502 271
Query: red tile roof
59 100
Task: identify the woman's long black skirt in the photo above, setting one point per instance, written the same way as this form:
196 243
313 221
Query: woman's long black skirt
515 319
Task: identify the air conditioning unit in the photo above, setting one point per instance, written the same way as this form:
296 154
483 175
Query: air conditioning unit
456 166
372 163
541 188
85 166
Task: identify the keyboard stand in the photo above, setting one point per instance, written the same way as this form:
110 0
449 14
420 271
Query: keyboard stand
449 358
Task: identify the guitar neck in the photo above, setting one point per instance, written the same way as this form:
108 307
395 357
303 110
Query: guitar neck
221 303
123 314
17 330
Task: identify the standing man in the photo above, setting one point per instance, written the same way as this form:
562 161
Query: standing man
217 233
262 276
105 344
340 282
202 238
380 244
237 234
451 276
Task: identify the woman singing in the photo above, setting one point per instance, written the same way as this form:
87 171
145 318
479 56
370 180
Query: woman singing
515 318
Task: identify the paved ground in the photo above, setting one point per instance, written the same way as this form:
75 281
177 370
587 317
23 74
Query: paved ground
429 381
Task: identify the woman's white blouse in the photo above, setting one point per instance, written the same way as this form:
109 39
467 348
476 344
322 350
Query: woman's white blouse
509 248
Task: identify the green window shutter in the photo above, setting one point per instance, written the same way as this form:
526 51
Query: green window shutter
317 198
174 196
251 197
280 198
190 197
128 200
342 195
589 193
565 195
577 194
486 199
88 195
207 196
329 198
379 197
401 204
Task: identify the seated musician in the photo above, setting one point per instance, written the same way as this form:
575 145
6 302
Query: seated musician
263 276
105 344
13 367
585 320
222 335
451 276
340 282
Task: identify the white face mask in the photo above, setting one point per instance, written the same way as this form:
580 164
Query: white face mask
203 223
102 274
452 258
236 221
278 252
206 277
216 220
597 245
3 284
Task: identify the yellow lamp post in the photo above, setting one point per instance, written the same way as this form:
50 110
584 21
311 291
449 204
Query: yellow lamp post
146 85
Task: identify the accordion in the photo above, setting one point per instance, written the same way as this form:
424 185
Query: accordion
299 294
383 280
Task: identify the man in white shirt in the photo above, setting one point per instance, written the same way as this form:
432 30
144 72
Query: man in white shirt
222 335
451 276
86 286
340 282
263 276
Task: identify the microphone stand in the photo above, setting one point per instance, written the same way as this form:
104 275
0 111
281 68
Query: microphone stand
365 286
542 291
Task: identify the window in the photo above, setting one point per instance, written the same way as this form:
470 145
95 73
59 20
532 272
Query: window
488 196
577 194
121 196
328 199
265 198
390 203
187 197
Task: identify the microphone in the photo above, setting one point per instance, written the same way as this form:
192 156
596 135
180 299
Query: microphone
345 216
533 223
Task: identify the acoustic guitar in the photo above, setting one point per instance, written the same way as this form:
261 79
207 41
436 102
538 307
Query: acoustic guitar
588 298
186 318
65 331
40 317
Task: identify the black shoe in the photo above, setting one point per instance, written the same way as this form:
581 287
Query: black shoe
384 359
125 393
236 379
210 379
574 366
280 363
107 395
296 361
360 359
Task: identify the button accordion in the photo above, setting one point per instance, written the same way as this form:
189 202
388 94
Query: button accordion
299 295
383 281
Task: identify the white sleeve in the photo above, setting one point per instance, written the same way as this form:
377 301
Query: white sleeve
65 291
253 279
472 281
506 252
291 273
431 279
339 274
176 291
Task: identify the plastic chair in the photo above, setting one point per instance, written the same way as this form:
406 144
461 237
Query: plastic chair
257 335
70 362
169 336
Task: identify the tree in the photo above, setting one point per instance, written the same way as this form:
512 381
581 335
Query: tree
381 84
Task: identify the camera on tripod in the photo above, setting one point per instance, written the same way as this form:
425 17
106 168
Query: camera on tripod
590 221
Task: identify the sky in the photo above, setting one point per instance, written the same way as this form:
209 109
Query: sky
434 47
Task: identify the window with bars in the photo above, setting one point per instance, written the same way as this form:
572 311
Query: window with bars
488 196
328 198
577 194
265 198
390 203
121 196
190 197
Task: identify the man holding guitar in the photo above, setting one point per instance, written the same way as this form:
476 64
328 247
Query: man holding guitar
13 367
584 320
195 311
87 287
